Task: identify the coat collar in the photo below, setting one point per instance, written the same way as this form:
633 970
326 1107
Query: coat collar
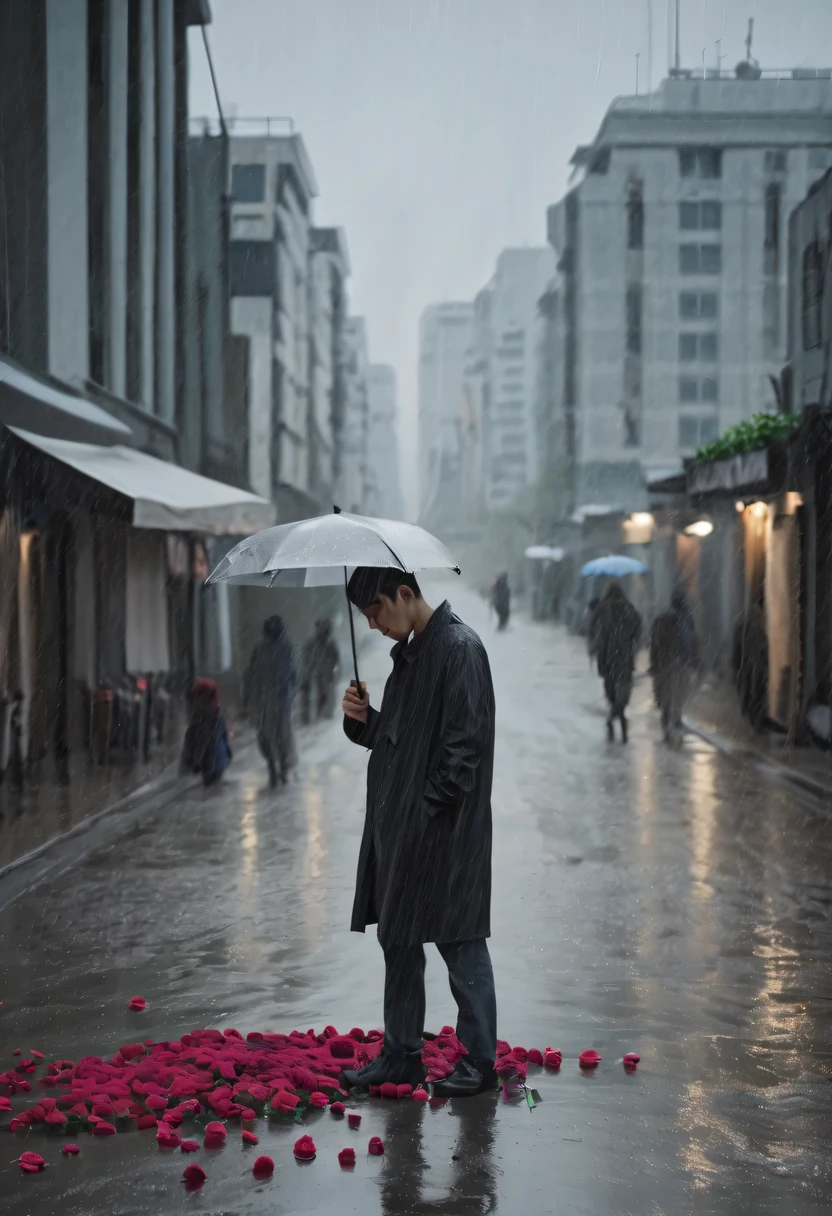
412 649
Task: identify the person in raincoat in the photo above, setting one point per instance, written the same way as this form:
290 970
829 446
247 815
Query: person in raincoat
424 868
206 749
501 600
674 656
319 667
616 629
269 687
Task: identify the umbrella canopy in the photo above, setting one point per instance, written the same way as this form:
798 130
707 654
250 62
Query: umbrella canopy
314 552
614 566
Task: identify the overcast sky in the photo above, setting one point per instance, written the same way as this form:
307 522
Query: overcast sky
439 130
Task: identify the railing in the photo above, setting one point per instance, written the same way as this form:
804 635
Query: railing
252 127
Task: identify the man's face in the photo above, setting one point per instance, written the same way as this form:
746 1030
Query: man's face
393 618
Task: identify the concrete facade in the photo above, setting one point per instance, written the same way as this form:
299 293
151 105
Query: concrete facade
328 270
351 487
384 497
673 250
444 340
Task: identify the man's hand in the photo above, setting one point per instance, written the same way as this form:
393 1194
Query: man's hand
354 705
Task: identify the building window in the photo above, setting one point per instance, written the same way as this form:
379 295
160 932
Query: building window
635 216
698 388
698 348
775 162
772 222
698 305
633 319
812 299
632 427
700 259
248 183
694 431
700 162
705 216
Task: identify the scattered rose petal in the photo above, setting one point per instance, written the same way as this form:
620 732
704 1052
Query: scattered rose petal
103 1129
589 1058
36 1055
284 1101
404 1091
318 1099
166 1137
189 1146
263 1167
5 1104
354 1121
194 1173
215 1134
31 1163
55 1118
338 1108
421 1095
156 1102
552 1059
249 1137
138 1004
145 1121
304 1149
632 1058
346 1158
535 1056
389 1090
247 1113
376 1147
70 1149
16 1051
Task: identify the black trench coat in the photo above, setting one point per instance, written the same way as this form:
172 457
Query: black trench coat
424 870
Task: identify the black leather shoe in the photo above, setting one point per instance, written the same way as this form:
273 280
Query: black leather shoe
469 1077
404 1069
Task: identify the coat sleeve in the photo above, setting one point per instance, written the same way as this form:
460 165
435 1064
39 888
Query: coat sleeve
364 734
465 727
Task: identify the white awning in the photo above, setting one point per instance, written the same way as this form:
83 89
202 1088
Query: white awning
41 407
165 496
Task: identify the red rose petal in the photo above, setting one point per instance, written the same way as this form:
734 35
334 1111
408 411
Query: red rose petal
16 1051
5 1104
318 1099
249 1137
55 1118
631 1059
194 1173
338 1108
103 1129
304 1149
346 1158
145 1121
36 1055
70 1149
535 1056
376 1147
589 1058
138 1004
420 1095
354 1121
31 1163
189 1146
552 1059
263 1167
247 1113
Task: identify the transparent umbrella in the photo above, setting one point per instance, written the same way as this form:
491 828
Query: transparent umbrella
320 552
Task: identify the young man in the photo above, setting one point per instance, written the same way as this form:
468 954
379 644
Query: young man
424 870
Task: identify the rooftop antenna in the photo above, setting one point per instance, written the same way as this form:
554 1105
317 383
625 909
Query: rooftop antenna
748 40
637 55
719 56
677 60
704 49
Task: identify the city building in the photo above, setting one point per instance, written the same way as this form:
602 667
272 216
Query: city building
329 268
352 482
444 341
384 497
672 247
113 315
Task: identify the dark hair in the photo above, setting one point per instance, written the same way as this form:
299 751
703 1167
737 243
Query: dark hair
369 583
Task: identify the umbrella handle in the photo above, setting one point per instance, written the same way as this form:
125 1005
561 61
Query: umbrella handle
352 631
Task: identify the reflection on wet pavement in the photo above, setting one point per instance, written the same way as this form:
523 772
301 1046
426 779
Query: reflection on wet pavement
665 902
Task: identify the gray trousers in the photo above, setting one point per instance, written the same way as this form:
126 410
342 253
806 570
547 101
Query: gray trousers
472 985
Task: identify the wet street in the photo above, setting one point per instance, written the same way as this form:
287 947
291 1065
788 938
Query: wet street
668 903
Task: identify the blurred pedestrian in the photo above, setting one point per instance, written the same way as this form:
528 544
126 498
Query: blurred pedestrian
424 870
588 630
319 668
616 626
750 664
269 688
501 600
206 748
674 657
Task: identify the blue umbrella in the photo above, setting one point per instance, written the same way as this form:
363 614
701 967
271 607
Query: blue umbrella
614 566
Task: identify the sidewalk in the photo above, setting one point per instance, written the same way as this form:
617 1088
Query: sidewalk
713 714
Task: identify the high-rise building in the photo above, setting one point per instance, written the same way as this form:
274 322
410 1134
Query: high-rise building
444 340
384 497
351 486
672 245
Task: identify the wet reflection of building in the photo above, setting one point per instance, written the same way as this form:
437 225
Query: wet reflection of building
408 1186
